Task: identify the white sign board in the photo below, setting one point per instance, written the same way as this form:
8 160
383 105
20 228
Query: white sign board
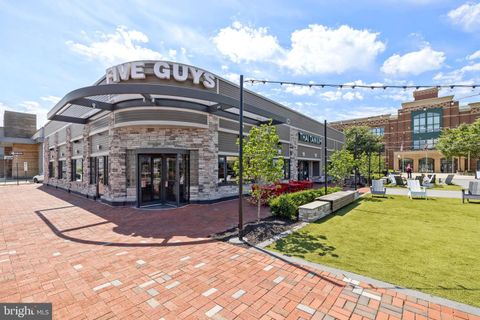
7 157
161 70
25 166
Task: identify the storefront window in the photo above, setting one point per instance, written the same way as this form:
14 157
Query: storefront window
226 174
77 169
51 172
426 122
62 169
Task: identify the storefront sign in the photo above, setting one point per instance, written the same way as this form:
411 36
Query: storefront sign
305 137
161 70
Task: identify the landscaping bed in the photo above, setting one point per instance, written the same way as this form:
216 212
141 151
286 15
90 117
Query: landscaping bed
257 232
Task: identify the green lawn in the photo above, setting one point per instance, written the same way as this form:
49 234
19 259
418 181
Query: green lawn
428 245
449 187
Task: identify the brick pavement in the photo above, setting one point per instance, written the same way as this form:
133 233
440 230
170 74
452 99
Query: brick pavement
93 261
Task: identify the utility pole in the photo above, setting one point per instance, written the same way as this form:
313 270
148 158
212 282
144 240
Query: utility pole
240 165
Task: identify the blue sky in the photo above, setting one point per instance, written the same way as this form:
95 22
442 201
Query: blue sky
49 48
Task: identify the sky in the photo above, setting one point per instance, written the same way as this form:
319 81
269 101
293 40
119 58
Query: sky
49 48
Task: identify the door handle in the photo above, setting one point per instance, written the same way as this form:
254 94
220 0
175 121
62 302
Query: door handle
166 183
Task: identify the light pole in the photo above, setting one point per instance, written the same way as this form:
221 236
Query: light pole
240 164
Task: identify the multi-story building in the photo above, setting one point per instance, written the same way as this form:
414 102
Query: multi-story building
20 151
410 136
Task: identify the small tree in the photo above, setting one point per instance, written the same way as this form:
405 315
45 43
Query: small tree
341 164
261 162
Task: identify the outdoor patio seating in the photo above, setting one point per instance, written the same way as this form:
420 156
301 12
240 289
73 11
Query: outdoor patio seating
377 188
448 179
429 181
399 181
415 190
473 192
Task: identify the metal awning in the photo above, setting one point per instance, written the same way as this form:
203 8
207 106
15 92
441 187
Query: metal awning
80 105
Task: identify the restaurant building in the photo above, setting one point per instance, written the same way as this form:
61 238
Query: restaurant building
162 133
410 135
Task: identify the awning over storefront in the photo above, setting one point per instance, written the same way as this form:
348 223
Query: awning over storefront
80 105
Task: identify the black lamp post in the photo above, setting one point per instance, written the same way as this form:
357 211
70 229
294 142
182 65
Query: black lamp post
240 164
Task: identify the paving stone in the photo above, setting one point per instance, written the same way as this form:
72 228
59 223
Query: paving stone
152 292
116 283
172 285
166 277
121 253
56 254
102 286
268 268
209 292
278 279
210 313
235 256
305 308
146 284
140 262
153 303
185 258
371 295
201 264
238 294
77 267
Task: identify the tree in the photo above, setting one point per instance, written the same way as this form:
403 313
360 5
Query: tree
367 164
462 141
341 164
261 162
361 141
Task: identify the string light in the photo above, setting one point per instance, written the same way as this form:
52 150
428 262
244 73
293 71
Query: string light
365 86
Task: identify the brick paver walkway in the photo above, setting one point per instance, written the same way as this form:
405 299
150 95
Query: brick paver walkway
96 262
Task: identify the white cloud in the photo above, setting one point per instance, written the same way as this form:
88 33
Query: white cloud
467 16
339 95
315 49
51 99
475 55
243 43
299 90
232 76
457 76
415 62
120 46
320 49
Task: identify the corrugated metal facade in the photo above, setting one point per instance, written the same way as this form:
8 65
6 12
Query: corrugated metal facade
161 115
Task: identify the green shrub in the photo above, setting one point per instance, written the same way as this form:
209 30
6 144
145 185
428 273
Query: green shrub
286 205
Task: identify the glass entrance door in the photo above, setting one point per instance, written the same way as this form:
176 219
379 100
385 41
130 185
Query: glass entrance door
163 179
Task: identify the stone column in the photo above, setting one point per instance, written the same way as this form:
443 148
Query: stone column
293 153
117 172
46 160
69 151
86 155
208 160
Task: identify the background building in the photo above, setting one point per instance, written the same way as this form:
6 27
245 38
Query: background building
19 135
410 135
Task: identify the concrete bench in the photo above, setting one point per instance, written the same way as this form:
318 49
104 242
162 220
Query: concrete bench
339 199
313 211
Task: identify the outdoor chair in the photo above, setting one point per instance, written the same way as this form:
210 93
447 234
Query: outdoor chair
429 181
448 179
391 179
415 190
377 188
399 181
473 192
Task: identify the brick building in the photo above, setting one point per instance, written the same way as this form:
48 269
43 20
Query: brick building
410 135
152 133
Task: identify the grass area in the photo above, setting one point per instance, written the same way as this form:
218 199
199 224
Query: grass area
427 245
447 187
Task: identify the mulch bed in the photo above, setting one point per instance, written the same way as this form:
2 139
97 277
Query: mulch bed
257 232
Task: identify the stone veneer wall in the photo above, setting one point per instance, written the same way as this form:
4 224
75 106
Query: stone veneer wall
202 143
293 154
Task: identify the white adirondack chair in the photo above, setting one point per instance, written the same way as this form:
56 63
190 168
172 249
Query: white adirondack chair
415 190
377 188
